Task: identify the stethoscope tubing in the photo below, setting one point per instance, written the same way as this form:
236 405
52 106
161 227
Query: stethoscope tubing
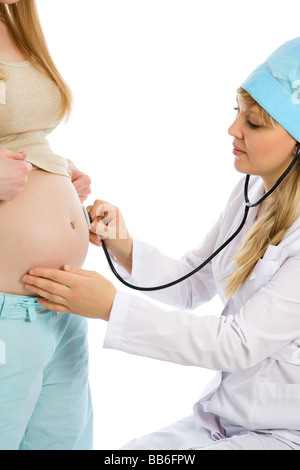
248 205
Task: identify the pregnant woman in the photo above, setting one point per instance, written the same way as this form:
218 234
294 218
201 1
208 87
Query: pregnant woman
44 391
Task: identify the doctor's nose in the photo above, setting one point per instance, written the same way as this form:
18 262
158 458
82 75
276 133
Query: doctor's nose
235 130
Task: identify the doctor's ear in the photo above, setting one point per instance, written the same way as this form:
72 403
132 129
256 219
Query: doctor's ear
296 148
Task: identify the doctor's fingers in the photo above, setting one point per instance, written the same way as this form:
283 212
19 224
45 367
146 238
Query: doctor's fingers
95 239
49 299
103 210
47 288
105 231
57 307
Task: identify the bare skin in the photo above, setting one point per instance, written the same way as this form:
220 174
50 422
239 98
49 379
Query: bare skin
267 151
41 216
264 151
43 225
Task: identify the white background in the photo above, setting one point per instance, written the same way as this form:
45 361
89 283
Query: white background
154 84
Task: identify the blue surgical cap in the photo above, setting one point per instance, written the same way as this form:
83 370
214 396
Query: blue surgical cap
275 85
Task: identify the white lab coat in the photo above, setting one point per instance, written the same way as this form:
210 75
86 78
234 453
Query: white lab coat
254 344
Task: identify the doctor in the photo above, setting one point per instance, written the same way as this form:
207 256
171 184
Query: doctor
254 345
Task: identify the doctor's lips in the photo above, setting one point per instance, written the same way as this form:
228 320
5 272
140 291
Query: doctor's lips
237 151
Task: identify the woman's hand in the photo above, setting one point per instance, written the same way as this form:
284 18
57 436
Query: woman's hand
81 181
13 173
72 290
109 223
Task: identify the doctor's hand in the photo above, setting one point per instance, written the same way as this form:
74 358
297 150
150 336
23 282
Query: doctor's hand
72 290
108 223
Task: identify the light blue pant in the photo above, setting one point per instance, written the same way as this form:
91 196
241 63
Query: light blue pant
44 392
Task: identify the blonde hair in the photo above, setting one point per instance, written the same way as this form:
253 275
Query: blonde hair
24 26
276 216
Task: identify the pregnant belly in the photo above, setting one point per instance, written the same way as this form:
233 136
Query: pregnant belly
43 226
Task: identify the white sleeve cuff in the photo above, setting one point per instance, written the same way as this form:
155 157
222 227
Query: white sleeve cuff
117 320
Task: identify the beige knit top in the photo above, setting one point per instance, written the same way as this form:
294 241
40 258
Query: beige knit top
29 104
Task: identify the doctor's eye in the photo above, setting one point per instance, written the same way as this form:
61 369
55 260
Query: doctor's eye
237 110
252 126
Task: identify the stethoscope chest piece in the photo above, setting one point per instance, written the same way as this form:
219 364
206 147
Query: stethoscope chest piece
87 216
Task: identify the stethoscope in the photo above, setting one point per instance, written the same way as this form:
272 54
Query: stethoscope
248 205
